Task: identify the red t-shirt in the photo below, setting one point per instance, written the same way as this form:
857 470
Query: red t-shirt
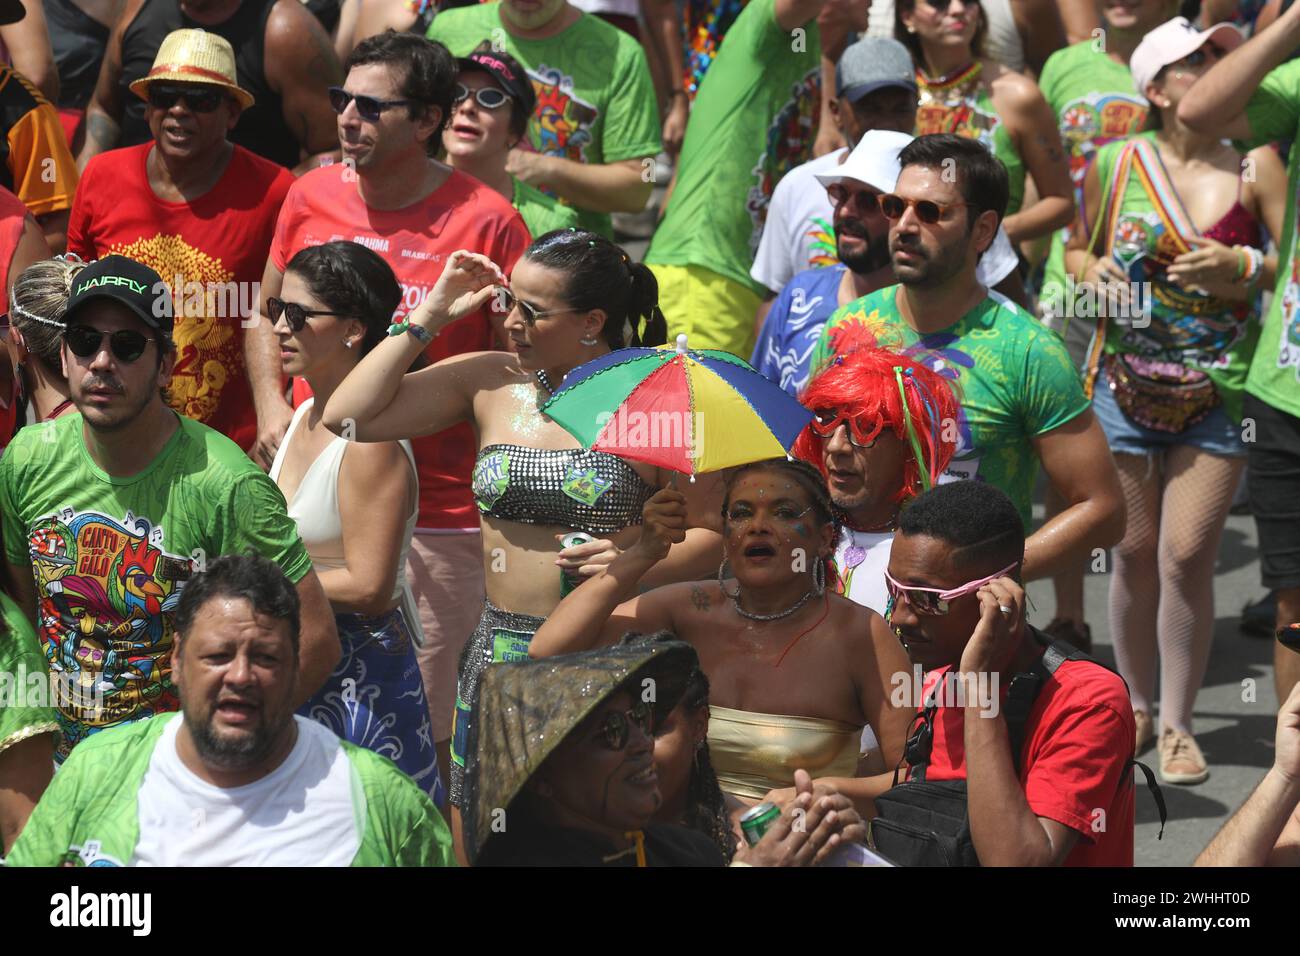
324 206
1078 741
13 214
216 246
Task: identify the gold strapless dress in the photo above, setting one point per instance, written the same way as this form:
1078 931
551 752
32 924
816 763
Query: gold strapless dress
753 753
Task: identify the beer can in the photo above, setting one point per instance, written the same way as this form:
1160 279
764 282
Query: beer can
571 539
756 820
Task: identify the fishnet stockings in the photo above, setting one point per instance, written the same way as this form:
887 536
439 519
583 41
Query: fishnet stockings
1161 591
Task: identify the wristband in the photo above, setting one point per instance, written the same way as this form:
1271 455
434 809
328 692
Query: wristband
419 331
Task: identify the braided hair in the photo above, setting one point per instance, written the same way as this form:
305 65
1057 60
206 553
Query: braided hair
706 807
599 275
38 307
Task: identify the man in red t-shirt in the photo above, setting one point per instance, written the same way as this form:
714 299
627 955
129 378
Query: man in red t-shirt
959 611
391 196
201 212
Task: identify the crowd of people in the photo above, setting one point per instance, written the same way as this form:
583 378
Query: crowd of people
288 286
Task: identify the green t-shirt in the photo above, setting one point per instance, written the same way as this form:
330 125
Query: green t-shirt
89 816
974 117
1011 374
110 555
26 694
1213 335
542 213
1095 102
754 119
595 99
1274 114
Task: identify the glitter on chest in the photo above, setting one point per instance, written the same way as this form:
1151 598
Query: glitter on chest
526 421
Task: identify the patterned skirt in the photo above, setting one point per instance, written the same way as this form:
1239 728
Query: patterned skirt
375 696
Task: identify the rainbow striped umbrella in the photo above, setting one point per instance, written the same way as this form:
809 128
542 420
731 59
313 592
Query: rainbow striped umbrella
688 410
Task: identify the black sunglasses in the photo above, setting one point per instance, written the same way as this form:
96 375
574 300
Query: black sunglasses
197 100
870 202
616 728
85 342
369 107
489 97
295 314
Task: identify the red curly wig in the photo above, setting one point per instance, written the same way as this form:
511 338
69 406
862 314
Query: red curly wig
861 385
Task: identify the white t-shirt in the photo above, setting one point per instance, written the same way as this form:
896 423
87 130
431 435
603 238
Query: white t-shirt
628 8
300 814
799 233
860 559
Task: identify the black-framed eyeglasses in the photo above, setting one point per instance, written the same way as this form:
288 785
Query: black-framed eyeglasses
296 315
840 194
531 314
197 99
927 210
616 728
369 108
85 342
488 97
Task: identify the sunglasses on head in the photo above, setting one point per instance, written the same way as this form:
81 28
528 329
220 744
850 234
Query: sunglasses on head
197 99
616 729
369 108
85 342
488 97
934 602
296 315
827 421
927 210
840 194
530 314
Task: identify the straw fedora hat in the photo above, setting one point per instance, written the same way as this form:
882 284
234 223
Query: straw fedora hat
194 56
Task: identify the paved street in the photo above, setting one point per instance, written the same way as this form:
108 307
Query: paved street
1235 735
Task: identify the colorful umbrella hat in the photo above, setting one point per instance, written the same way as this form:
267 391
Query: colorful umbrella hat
689 410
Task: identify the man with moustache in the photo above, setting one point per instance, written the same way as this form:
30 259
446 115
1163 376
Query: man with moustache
958 606
1021 399
108 512
239 780
793 327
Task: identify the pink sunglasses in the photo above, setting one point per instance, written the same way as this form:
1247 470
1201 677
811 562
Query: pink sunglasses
934 601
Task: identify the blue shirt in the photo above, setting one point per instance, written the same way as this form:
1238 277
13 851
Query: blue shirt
794 324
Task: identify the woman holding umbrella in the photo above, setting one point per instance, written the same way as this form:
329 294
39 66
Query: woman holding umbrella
573 296
796 670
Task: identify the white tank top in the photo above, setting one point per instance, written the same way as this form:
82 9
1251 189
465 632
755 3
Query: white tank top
315 505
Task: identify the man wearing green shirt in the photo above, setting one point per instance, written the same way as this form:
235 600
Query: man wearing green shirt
595 129
1253 97
108 512
238 779
753 121
1021 399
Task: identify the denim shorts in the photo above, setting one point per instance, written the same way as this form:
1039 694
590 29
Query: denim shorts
1216 433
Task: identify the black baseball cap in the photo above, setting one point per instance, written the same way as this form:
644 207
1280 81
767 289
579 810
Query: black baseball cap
131 283
509 75
11 11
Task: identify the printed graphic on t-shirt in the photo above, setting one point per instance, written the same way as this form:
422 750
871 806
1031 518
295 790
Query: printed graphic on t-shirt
209 351
106 593
561 124
965 119
1091 121
1288 352
821 244
789 144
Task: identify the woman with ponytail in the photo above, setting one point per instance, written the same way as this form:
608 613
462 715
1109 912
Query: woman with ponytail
36 320
573 297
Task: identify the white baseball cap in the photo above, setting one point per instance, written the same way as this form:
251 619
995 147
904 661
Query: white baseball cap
874 161
1173 40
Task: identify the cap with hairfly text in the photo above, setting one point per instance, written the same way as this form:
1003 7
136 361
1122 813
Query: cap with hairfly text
131 283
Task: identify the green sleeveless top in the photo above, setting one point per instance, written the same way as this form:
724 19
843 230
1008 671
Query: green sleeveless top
1217 336
962 104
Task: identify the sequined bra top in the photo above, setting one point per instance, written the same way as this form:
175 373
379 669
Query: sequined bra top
590 491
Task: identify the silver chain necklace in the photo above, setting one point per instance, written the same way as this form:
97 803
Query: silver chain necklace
819 586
